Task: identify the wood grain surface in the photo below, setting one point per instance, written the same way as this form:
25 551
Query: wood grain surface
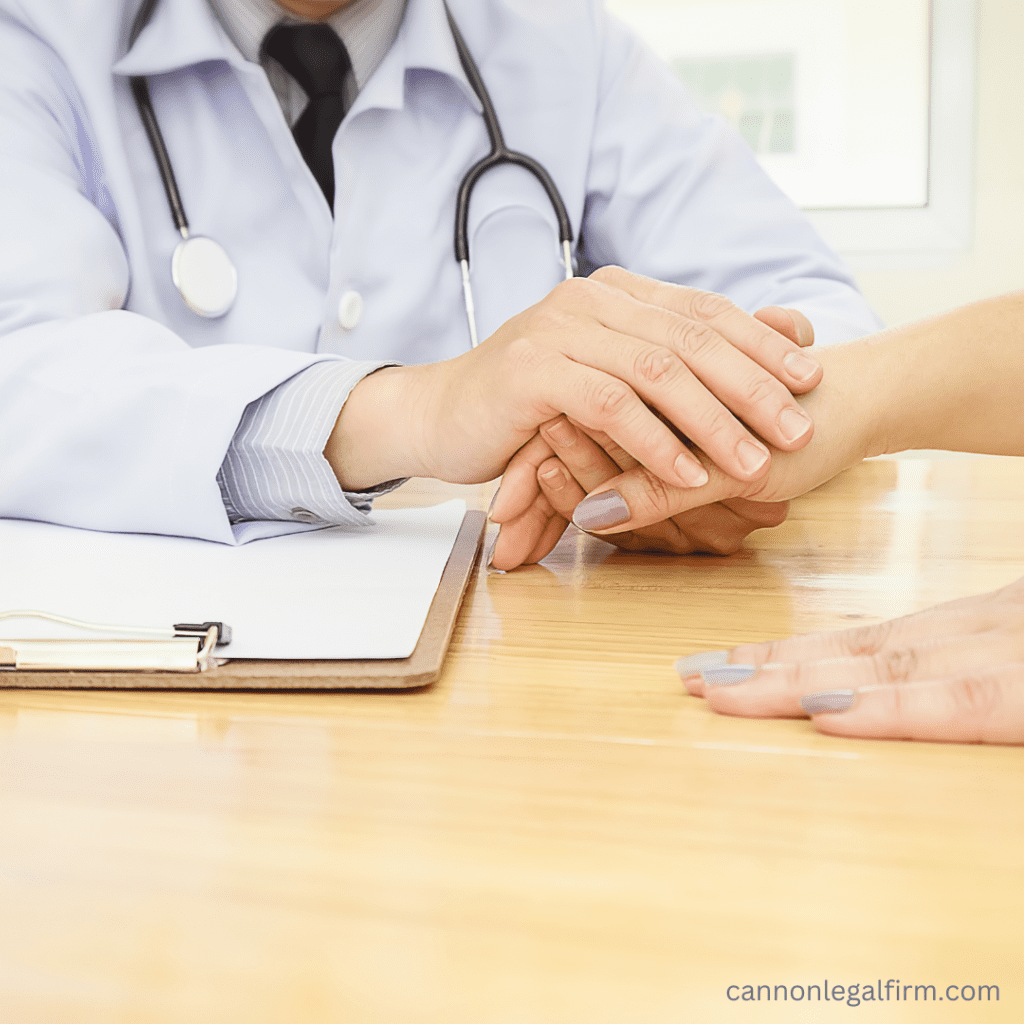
554 832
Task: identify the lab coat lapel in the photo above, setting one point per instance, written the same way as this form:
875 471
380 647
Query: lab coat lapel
184 33
179 34
424 42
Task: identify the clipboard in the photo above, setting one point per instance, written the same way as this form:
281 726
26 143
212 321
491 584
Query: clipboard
420 669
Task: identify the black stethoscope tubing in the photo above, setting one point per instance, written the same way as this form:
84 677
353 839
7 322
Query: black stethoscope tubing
144 102
499 155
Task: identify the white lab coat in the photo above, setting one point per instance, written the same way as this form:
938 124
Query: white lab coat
117 404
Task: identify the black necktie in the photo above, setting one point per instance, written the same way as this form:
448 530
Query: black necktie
317 59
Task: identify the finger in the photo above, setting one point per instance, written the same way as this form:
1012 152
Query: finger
697 380
638 498
519 488
976 707
589 463
560 488
604 402
770 349
775 690
763 514
552 534
581 463
712 529
616 452
790 323
962 618
519 537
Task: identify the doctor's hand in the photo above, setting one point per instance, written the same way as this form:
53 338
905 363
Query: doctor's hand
552 473
952 673
634 359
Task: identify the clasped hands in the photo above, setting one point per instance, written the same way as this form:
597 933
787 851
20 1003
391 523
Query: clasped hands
546 481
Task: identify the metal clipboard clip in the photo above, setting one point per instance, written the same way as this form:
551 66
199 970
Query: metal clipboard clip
184 647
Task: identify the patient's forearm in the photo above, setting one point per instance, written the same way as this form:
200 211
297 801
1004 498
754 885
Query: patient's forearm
955 382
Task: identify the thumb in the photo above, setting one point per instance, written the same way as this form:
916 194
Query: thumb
790 323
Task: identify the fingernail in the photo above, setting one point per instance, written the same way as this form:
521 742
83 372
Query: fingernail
554 476
693 663
691 472
727 675
490 558
601 511
801 367
562 433
793 424
494 501
828 702
752 456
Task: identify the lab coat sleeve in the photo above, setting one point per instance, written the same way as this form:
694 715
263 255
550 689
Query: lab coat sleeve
275 466
678 195
108 420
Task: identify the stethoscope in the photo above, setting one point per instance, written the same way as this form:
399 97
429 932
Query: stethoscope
203 272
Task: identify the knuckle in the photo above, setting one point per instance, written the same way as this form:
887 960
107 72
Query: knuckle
690 339
610 400
654 365
866 640
719 543
577 291
761 389
974 696
708 305
896 666
774 653
799 679
712 424
610 274
768 514
654 496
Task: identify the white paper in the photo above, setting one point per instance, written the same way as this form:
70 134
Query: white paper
327 594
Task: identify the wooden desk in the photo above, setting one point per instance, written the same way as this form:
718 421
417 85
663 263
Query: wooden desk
554 833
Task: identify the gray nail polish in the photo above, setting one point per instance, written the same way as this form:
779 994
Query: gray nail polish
601 511
693 663
727 675
828 702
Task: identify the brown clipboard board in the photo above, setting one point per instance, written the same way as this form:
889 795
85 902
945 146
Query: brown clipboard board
421 668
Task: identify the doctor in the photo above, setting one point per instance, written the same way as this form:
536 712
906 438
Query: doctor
326 164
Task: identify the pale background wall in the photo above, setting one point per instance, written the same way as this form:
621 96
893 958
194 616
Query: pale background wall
995 261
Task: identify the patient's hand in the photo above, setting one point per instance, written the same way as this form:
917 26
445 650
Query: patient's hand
552 474
952 673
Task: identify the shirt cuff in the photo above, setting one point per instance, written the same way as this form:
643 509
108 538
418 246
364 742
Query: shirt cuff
275 466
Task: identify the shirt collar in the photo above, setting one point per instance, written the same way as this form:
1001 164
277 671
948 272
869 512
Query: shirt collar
186 32
367 28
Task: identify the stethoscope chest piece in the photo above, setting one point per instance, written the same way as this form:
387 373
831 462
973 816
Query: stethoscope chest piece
204 276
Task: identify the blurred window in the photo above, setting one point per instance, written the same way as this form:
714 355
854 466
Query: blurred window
859 109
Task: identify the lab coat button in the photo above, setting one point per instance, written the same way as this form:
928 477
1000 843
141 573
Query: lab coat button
350 310
303 515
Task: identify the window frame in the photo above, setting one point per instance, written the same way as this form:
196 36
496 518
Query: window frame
908 237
